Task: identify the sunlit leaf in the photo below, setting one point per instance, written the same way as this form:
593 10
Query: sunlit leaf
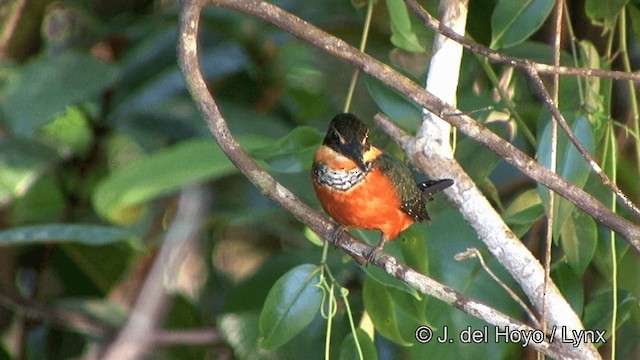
604 13
402 35
118 198
70 131
513 21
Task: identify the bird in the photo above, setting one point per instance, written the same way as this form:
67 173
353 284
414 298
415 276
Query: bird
361 186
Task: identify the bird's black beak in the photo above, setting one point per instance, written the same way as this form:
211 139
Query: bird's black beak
354 151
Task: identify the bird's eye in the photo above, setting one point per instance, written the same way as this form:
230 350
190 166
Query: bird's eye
365 139
335 136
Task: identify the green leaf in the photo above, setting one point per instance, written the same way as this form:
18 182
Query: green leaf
349 351
292 153
120 196
569 285
380 305
65 80
21 164
294 300
604 13
402 35
570 164
404 112
526 208
70 131
599 312
62 233
523 211
579 236
513 21
413 249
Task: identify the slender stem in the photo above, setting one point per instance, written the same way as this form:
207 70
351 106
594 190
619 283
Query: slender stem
345 293
626 63
612 244
363 45
553 163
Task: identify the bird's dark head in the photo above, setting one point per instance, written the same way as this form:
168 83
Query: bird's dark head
348 136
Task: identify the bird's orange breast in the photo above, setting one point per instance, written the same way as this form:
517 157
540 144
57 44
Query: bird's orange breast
372 204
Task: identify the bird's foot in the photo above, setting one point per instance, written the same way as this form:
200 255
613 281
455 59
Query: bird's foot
371 256
336 237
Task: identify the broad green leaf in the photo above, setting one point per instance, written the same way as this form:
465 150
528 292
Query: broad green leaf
526 208
293 152
598 313
292 303
349 350
569 285
523 211
513 21
570 164
593 101
392 324
402 35
119 198
73 233
70 131
604 13
579 236
404 112
413 249
65 80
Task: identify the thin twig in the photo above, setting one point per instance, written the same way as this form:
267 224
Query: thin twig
553 162
134 340
496 57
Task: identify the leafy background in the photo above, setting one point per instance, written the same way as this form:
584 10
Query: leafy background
98 135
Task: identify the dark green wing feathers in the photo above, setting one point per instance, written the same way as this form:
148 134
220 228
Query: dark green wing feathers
414 197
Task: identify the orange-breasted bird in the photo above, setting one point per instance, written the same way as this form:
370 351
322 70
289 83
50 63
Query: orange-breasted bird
361 186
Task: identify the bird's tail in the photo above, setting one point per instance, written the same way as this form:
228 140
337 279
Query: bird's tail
432 187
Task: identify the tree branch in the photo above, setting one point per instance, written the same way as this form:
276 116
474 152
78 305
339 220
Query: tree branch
514 156
188 59
136 338
496 57
533 70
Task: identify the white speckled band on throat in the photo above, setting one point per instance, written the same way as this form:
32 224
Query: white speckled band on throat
338 179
